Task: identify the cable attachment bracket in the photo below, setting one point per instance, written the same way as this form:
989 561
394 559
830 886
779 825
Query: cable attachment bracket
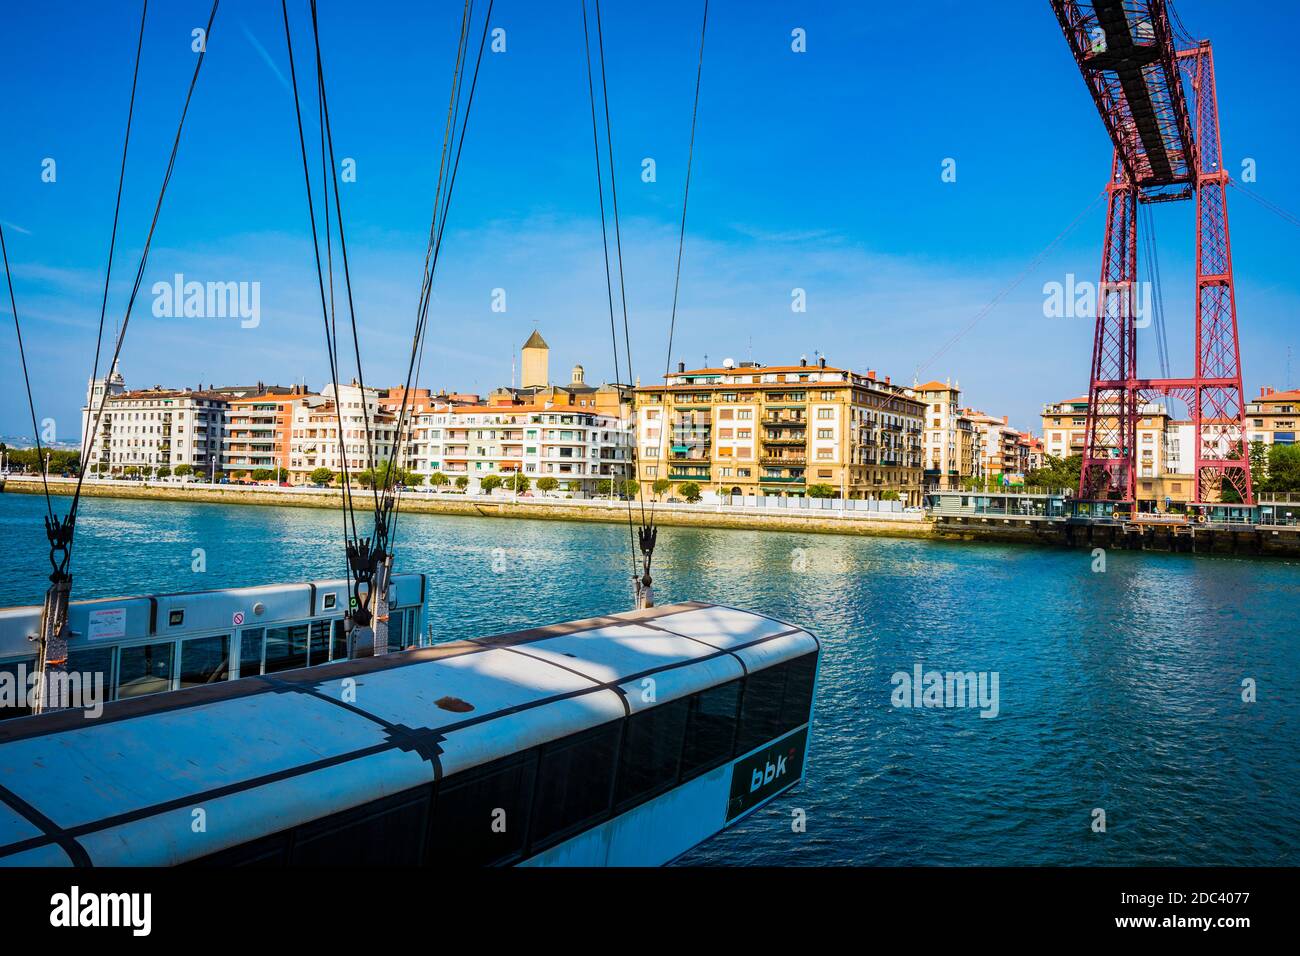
364 561
647 535
60 531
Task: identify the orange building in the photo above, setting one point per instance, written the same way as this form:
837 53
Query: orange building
258 429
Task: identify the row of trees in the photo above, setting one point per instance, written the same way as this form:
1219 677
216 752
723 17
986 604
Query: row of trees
30 460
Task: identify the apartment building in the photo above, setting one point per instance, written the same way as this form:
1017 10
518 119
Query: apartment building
1272 417
259 426
145 430
1000 451
951 442
577 447
753 429
1165 447
369 430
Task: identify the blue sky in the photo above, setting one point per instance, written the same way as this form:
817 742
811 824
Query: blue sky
818 171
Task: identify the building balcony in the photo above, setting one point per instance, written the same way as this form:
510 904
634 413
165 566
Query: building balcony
784 440
787 422
783 460
782 479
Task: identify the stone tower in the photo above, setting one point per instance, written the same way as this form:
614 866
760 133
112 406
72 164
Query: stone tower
535 372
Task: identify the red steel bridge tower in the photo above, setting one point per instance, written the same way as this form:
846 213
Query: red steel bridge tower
1159 106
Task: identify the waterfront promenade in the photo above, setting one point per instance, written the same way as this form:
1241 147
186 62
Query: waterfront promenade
817 516
812 515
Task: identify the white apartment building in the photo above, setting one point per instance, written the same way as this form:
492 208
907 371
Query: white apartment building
143 431
578 447
369 431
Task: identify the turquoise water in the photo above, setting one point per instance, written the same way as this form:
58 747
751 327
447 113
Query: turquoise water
1118 690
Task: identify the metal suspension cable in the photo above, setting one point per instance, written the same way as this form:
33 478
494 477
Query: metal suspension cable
449 167
1272 207
1152 261
70 521
347 272
441 205
1010 286
416 361
604 239
22 358
681 233
330 335
618 232
88 437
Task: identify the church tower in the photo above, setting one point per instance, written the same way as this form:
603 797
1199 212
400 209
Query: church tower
535 371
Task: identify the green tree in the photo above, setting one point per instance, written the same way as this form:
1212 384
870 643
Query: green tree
890 495
630 487
1259 464
282 474
604 487
131 471
690 490
462 482
660 486
438 479
163 471
1056 473
263 474
820 491
322 476
518 482
490 483
182 470
1284 468
547 483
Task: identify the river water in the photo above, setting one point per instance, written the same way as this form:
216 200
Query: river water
1119 690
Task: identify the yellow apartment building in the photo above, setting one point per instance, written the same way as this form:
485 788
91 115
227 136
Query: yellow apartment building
753 429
